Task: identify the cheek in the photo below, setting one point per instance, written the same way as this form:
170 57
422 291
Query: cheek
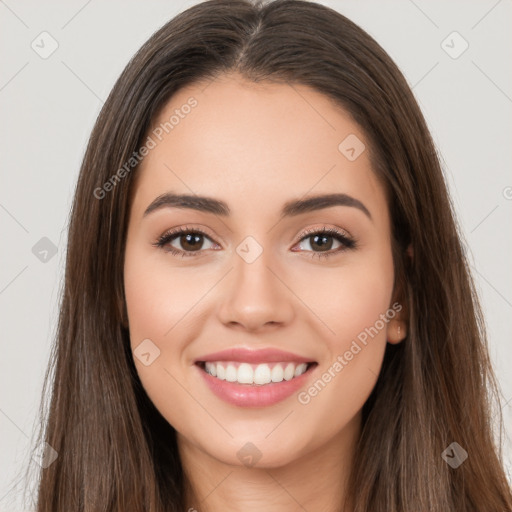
158 299
358 318
159 304
362 297
349 299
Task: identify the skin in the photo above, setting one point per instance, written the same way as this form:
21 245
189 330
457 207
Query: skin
256 146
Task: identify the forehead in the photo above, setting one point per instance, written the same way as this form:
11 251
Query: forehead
253 145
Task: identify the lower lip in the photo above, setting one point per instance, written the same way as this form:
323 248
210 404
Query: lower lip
253 395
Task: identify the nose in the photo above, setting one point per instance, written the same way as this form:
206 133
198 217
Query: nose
255 296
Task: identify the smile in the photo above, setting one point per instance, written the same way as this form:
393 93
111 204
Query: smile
257 374
269 383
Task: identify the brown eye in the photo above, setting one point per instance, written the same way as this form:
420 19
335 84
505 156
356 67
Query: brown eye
184 242
321 242
191 241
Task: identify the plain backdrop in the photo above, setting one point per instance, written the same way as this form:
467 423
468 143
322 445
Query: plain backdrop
48 107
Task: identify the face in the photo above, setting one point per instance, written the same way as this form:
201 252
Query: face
277 282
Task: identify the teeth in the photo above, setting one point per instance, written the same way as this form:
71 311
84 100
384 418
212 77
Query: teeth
300 370
289 371
221 372
277 373
211 368
260 374
231 373
245 374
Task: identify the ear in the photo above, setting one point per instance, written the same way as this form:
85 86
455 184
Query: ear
398 326
396 331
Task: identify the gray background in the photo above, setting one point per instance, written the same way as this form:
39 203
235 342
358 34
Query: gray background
48 107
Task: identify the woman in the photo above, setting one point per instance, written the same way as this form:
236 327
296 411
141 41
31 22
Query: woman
267 304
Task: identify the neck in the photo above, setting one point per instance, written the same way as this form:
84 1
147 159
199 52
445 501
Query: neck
314 481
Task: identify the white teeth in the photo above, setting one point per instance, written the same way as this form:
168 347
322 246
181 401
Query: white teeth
262 374
245 374
221 373
211 368
231 373
277 373
301 368
289 371
259 374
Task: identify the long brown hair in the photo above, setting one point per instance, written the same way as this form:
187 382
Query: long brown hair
115 451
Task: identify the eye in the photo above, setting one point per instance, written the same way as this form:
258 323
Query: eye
322 239
190 241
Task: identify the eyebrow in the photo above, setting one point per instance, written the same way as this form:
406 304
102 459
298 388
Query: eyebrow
290 209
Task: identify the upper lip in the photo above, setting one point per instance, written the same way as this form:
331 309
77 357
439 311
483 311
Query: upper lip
267 355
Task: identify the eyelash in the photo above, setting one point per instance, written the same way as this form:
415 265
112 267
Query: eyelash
347 242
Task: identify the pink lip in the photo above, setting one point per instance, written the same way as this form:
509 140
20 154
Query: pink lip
267 355
252 395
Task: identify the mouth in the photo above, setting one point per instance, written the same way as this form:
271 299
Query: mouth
262 374
245 377
243 384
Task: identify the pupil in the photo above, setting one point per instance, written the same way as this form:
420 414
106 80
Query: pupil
322 243
192 240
